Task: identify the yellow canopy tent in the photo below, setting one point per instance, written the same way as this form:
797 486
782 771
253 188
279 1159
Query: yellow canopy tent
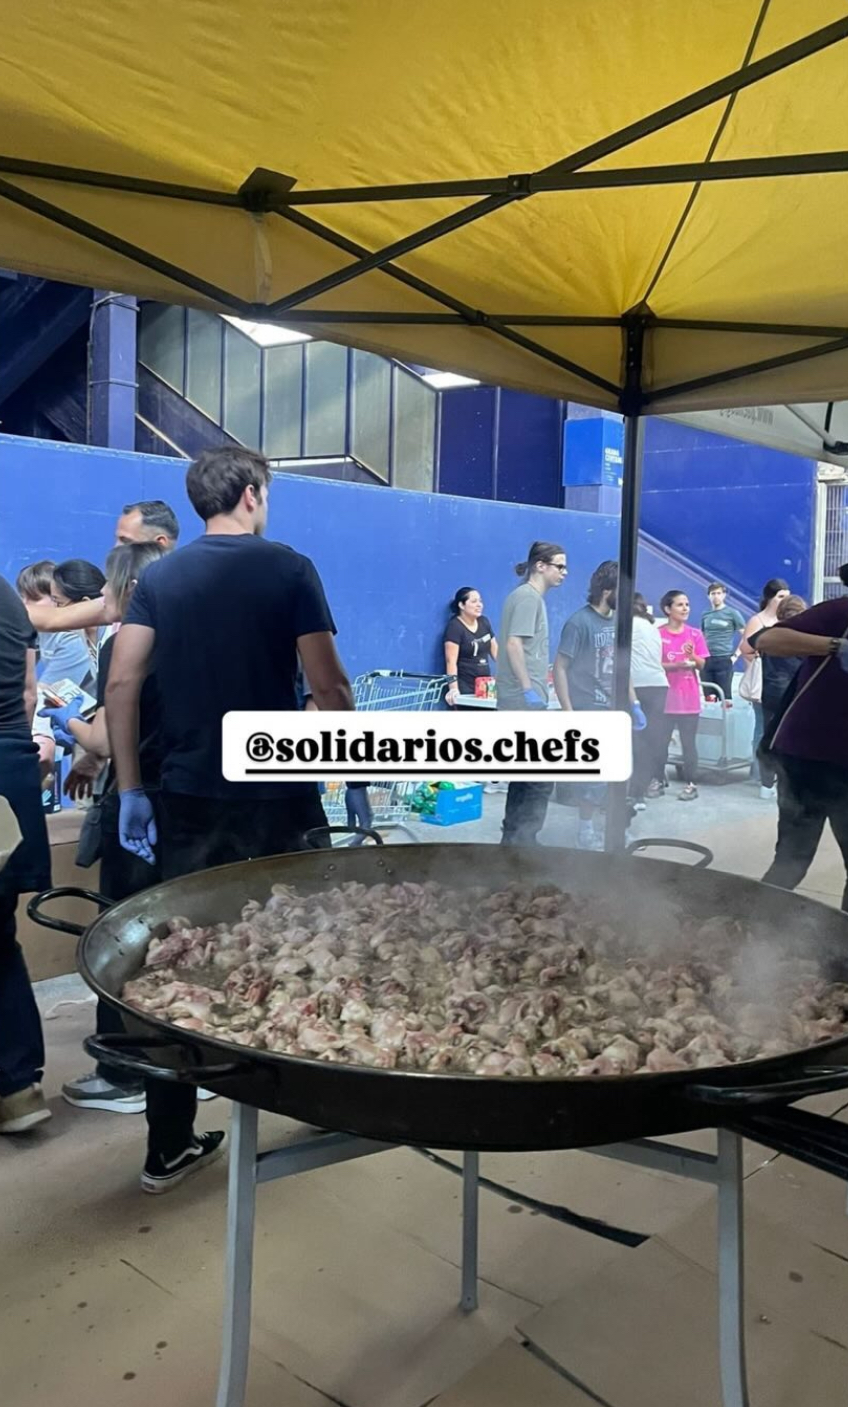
540 193
638 205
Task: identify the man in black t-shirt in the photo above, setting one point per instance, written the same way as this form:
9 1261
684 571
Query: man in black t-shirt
21 1046
228 616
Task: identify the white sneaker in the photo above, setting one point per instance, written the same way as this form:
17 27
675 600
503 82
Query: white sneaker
494 788
768 793
207 1094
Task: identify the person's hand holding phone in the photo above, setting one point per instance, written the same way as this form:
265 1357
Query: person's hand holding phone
60 719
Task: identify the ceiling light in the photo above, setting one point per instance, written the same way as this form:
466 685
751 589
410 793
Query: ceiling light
267 334
447 380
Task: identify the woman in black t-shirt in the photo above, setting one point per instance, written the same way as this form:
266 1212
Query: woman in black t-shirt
470 644
121 874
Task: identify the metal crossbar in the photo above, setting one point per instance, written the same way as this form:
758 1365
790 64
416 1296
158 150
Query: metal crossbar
248 1168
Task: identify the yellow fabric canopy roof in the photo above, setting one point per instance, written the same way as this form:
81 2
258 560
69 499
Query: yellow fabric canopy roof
641 206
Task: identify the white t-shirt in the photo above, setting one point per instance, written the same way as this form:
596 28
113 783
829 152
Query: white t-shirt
646 670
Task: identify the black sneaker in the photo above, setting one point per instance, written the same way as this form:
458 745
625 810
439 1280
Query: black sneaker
161 1174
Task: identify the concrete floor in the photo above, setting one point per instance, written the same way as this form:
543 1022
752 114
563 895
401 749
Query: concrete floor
731 820
111 1298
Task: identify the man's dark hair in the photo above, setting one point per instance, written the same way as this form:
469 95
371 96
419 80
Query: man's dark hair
218 477
716 586
539 552
157 514
35 581
604 578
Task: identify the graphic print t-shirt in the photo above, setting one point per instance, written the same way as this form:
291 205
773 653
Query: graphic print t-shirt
473 661
684 685
588 643
719 627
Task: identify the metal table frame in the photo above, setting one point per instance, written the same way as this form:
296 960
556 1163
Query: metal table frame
249 1167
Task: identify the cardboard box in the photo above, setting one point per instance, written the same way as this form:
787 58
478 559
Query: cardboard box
10 831
50 954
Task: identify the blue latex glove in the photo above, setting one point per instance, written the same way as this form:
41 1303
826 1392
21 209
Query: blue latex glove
533 699
137 824
639 719
359 811
60 718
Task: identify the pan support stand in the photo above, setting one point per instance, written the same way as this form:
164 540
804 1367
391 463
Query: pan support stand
249 1167
723 1170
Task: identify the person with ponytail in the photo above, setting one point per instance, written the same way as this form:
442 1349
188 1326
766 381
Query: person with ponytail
470 644
523 676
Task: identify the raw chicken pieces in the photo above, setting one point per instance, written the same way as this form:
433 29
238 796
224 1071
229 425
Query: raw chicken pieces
523 982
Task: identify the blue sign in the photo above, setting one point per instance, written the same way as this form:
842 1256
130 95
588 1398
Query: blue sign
592 452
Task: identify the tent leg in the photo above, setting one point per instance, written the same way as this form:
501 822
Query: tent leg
631 492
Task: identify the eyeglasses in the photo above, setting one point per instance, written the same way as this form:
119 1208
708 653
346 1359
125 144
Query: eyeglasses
558 566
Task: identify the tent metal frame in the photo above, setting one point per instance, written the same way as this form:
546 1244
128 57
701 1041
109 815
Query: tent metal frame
269 193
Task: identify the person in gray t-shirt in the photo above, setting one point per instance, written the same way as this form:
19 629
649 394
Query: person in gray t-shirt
523 676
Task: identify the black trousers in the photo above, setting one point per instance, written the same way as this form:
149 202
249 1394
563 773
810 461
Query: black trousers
197 833
650 745
808 795
687 727
718 669
121 874
763 757
525 811
28 869
21 1043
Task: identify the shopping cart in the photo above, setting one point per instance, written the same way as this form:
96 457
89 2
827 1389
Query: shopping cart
394 691
724 738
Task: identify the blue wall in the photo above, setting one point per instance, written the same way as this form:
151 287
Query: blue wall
390 560
733 510
501 444
743 513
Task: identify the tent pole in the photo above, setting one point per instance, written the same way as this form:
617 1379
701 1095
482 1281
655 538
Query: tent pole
628 546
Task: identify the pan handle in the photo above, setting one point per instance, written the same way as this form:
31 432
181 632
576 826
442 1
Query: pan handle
121 1049
811 1138
345 830
67 891
819 1080
706 855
